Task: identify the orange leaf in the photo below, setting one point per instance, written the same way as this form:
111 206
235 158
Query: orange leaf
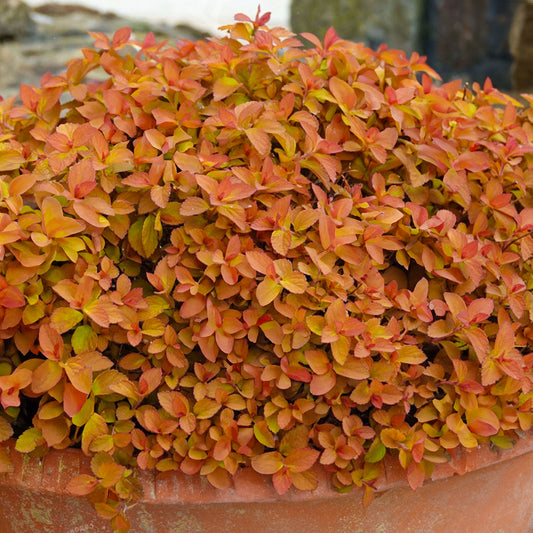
55 224
306 480
439 329
322 384
343 93
318 361
46 376
11 298
55 430
111 473
220 478
193 206
121 37
149 380
479 341
483 421
224 87
281 241
301 459
267 463
259 261
87 213
73 400
79 375
259 139
416 474
294 282
82 485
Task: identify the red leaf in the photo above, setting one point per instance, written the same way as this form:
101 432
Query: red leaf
416 475
73 400
282 481
121 37
11 298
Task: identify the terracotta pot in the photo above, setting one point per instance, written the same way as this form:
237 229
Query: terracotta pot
484 490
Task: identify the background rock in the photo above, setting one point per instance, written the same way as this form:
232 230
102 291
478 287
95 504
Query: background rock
15 19
465 39
470 39
395 22
59 33
521 44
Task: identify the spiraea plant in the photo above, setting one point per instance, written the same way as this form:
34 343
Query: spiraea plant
248 253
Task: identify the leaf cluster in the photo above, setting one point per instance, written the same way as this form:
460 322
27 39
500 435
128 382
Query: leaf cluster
243 253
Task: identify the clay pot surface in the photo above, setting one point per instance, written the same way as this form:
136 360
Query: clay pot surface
483 490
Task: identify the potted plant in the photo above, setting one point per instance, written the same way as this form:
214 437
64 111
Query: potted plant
242 259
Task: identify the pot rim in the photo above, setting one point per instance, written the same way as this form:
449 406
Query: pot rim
52 473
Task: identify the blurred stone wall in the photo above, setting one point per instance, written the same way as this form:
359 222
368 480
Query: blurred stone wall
466 39
521 44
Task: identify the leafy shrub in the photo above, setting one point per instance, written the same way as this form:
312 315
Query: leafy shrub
241 252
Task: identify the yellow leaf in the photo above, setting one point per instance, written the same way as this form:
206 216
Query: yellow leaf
411 355
10 159
267 291
149 236
267 463
95 427
294 282
206 408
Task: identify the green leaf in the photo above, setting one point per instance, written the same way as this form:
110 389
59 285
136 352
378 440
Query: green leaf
263 434
83 415
149 236
376 452
84 339
135 236
65 318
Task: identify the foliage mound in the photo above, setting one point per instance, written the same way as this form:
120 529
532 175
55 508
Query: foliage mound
242 252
